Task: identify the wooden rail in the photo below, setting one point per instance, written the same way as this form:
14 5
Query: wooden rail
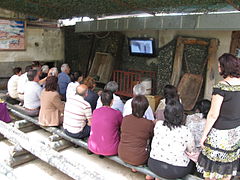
143 169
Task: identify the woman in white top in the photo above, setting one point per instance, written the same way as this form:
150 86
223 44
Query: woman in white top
170 143
76 77
12 86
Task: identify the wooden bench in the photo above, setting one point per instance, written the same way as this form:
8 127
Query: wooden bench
18 111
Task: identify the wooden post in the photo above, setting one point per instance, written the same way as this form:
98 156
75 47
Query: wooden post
73 169
25 126
177 64
210 74
7 171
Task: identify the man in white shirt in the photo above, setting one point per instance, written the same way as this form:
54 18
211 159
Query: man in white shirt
32 93
12 84
77 114
117 102
138 89
23 79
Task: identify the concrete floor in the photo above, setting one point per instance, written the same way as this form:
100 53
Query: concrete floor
39 170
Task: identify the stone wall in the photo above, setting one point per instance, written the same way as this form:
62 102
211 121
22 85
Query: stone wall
42 44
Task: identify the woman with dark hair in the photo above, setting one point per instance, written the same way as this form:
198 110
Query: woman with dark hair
12 86
170 142
51 105
92 97
196 122
169 92
220 155
136 134
105 127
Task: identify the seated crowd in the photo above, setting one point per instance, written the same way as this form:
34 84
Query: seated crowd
165 140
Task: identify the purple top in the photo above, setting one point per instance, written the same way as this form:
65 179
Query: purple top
105 131
4 115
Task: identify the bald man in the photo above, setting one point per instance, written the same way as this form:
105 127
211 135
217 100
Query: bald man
77 114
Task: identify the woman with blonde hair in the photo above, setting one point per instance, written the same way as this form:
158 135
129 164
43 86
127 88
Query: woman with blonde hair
92 97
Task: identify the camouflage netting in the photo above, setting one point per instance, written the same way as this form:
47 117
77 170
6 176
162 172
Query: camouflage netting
164 70
57 9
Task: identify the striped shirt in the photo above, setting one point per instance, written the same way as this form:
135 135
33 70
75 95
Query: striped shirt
77 112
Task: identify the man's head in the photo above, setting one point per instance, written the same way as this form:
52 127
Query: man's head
45 69
65 68
82 90
139 89
33 75
111 86
17 71
27 68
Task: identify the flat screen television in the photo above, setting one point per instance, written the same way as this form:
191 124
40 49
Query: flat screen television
141 46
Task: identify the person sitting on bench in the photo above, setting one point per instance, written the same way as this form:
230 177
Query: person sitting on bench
92 97
51 105
136 134
117 102
63 80
23 79
170 92
196 122
76 79
105 127
170 143
12 86
138 89
32 93
77 114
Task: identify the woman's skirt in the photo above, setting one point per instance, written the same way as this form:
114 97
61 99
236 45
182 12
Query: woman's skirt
220 156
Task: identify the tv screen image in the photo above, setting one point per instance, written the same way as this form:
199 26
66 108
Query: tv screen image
141 47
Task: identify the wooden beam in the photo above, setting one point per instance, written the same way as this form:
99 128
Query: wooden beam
195 41
73 169
177 64
211 66
59 145
19 160
22 123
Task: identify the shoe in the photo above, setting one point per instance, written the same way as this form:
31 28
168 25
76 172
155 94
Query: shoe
101 156
149 177
89 152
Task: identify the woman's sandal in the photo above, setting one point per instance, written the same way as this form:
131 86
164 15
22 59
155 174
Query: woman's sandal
149 177
133 170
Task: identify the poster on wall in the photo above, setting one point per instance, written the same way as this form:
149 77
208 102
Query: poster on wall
12 34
